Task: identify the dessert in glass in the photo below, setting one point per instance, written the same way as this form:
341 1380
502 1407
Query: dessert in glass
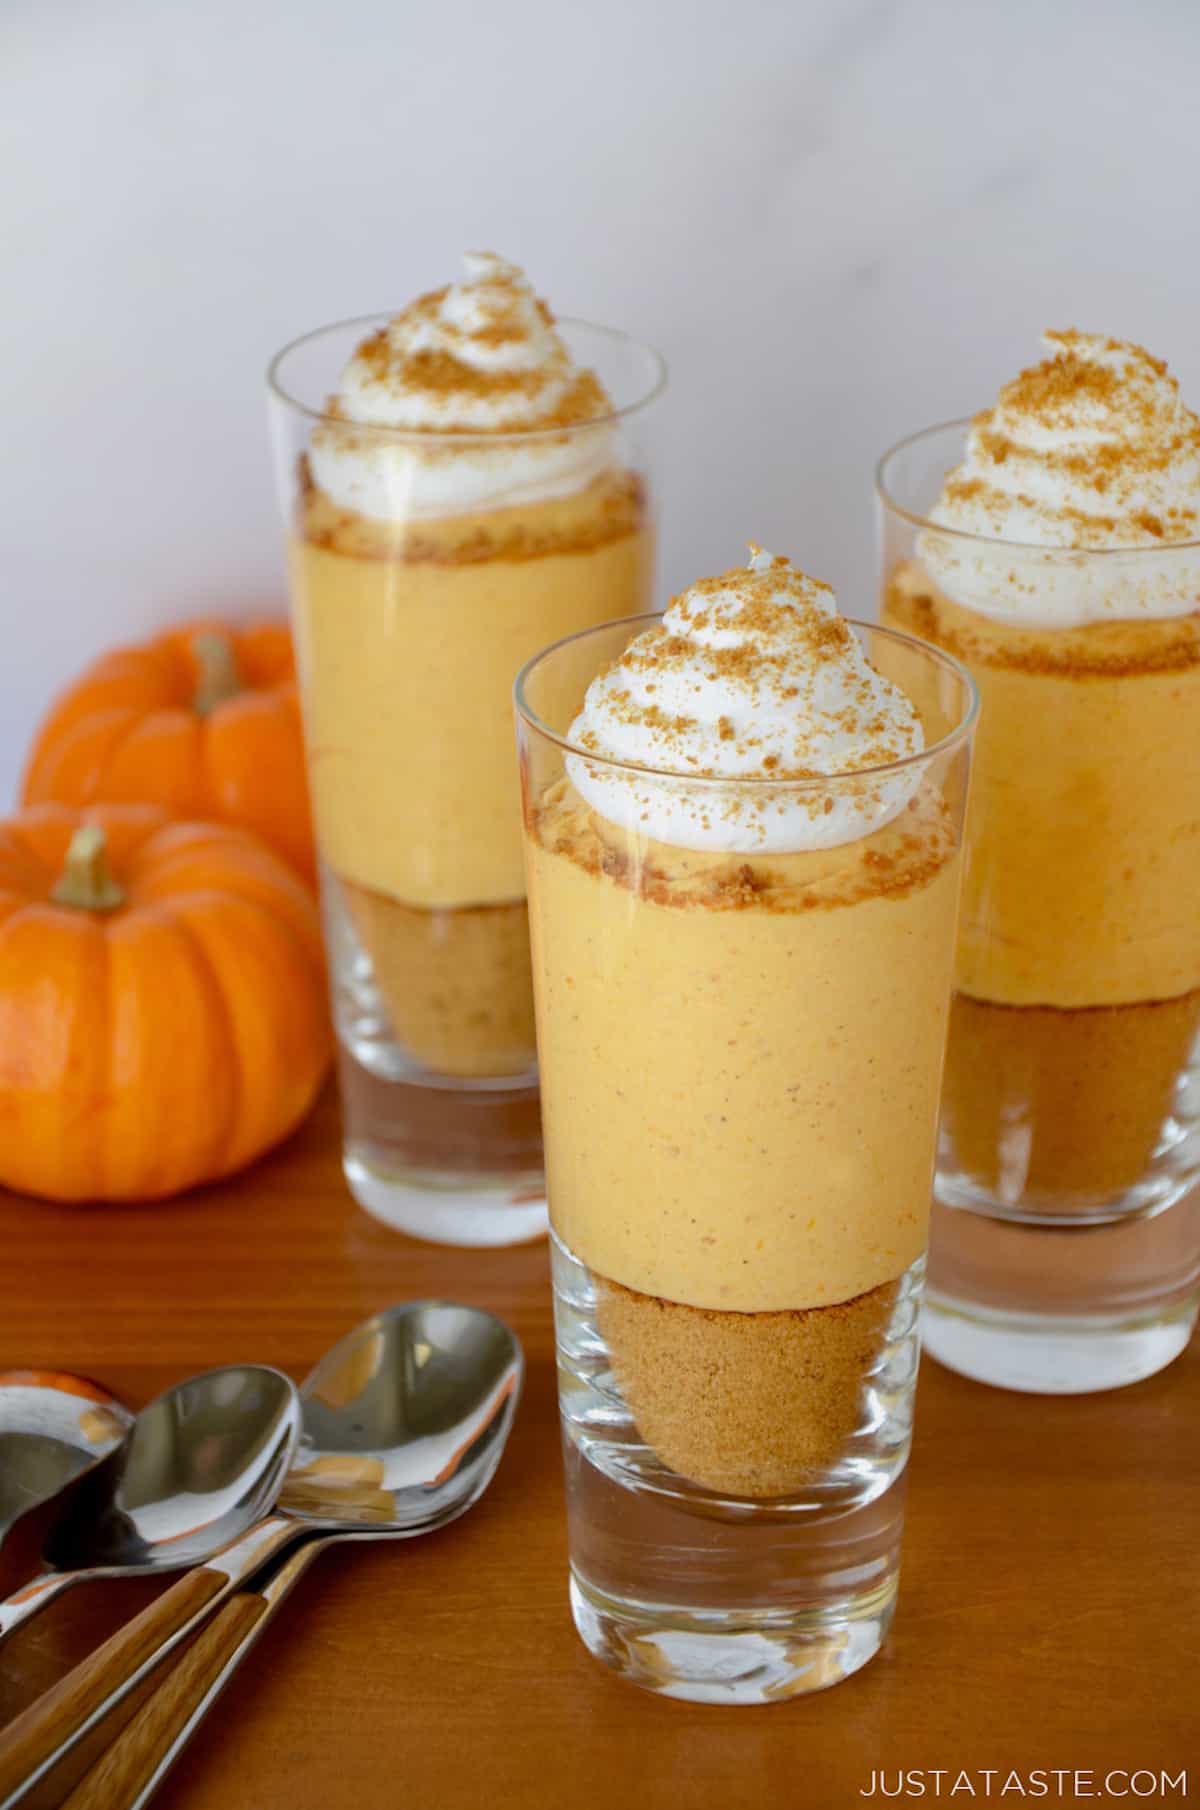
461 483
742 827
1053 545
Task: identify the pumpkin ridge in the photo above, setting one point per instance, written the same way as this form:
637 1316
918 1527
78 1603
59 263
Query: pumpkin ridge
264 653
246 863
175 734
133 722
214 896
104 1061
295 1077
298 943
171 841
138 666
192 1044
127 729
128 826
53 753
169 653
22 1061
212 980
134 923
35 869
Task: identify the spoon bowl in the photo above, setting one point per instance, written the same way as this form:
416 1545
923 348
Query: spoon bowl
53 1427
404 1423
201 1464
405 1420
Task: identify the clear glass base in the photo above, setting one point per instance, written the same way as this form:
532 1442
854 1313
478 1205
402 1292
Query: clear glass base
1056 1308
1156 1192
446 1208
1045 1356
452 1167
727 1657
703 1593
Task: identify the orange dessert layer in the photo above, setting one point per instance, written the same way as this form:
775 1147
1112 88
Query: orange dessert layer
1084 829
408 637
740 1055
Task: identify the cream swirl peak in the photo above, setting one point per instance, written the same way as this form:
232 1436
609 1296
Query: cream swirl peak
1092 450
476 359
753 689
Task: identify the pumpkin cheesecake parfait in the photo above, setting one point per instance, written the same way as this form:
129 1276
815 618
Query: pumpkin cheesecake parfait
1053 545
461 482
742 832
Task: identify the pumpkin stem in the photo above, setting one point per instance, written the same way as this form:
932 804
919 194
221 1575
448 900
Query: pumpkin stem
85 881
219 678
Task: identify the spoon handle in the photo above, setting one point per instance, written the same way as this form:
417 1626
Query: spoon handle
49 1728
30 1599
130 1771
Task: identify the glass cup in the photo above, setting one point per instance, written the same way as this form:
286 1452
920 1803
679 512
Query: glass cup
1064 1256
741 1059
408 632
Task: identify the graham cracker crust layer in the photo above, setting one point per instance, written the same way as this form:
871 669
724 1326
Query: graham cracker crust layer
747 1404
1042 1100
457 982
1108 650
901 857
612 507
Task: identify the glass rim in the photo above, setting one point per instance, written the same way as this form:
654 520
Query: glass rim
427 436
944 745
1165 549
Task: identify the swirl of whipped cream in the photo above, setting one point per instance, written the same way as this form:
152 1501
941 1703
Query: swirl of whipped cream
750 677
479 358
1090 450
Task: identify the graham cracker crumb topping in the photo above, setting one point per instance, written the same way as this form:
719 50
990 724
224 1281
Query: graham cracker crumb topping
481 356
1091 447
749 676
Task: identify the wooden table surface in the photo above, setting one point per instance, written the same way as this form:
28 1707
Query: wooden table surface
1049 1611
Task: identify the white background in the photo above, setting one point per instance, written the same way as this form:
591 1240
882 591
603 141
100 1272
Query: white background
840 220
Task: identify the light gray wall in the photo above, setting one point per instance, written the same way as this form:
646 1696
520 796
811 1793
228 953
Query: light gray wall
841 219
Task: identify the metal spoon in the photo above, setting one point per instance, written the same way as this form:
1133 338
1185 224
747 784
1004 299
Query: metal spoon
202 1463
52 1428
408 1416
404 1424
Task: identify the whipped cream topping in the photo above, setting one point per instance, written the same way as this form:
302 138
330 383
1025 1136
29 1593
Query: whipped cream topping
750 677
1092 449
477 359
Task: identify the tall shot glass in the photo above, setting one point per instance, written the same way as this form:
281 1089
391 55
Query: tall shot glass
741 1057
409 630
1065 1245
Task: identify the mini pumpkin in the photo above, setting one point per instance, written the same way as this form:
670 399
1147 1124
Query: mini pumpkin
162 1002
203 720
